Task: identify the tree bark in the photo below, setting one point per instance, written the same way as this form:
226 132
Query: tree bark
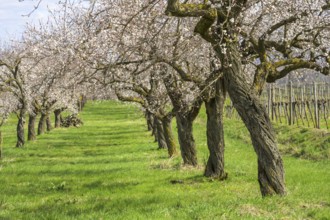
49 123
154 128
149 118
186 139
255 118
31 127
57 114
160 134
169 137
215 167
20 129
185 115
42 124
83 102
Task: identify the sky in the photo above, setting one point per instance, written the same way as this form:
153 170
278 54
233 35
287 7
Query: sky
13 16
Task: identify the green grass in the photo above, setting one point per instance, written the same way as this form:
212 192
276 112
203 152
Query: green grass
304 142
110 169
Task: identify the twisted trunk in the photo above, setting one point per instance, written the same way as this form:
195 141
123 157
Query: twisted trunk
42 124
154 129
81 102
149 118
49 123
169 137
185 115
186 139
160 134
31 127
20 129
57 114
255 118
215 167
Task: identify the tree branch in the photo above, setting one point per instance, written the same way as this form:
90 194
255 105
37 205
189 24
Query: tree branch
208 16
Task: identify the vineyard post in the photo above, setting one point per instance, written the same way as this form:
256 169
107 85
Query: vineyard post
290 103
305 103
279 104
316 112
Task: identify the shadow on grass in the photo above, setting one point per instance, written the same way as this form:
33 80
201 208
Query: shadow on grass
81 172
111 185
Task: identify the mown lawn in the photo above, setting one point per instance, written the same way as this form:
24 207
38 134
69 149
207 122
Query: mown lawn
110 169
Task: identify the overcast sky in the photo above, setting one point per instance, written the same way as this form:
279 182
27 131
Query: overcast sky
12 19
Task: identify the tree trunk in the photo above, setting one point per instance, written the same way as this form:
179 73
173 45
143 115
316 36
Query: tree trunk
49 123
186 139
149 118
169 137
185 115
42 124
31 127
57 114
255 118
81 102
215 167
20 129
154 128
160 134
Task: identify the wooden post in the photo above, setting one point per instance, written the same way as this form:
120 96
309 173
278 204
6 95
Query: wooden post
316 111
322 91
286 103
291 104
304 97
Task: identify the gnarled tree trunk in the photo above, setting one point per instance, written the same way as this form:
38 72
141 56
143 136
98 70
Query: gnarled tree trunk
149 118
154 129
31 127
82 102
185 116
169 137
255 118
215 167
49 123
20 129
57 114
160 134
186 139
42 124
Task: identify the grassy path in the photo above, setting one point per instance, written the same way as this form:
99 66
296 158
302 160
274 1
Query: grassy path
110 169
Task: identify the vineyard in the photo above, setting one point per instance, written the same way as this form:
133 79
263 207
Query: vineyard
302 105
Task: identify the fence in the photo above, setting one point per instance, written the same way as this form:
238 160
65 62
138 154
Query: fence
305 104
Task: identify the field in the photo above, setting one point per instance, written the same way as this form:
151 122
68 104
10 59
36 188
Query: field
110 169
